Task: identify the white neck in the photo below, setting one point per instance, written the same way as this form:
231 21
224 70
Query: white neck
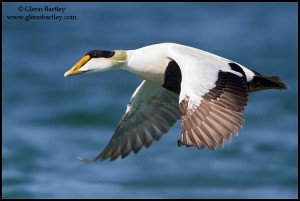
148 62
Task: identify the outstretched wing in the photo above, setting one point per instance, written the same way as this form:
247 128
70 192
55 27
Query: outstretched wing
150 113
211 100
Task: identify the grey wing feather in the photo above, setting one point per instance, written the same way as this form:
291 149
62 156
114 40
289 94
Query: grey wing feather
150 113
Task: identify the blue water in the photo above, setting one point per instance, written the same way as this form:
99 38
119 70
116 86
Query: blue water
49 120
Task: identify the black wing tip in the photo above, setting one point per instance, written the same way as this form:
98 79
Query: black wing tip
103 157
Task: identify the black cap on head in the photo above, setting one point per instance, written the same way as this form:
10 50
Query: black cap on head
101 53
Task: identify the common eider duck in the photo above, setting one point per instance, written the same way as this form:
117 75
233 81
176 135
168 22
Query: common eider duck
206 91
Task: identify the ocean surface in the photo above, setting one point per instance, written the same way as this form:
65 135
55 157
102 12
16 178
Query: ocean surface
48 120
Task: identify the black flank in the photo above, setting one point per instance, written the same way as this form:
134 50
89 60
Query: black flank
172 79
237 68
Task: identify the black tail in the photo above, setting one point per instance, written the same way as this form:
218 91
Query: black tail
261 83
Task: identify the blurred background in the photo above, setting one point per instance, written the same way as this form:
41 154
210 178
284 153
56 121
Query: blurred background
49 120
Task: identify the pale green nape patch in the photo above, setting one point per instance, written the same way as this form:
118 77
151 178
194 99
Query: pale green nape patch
120 56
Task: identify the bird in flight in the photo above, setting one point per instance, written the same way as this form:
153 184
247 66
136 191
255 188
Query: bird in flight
206 91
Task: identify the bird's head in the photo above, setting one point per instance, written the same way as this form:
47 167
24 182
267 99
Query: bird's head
97 61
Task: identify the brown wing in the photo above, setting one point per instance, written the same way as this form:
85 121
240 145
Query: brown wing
218 115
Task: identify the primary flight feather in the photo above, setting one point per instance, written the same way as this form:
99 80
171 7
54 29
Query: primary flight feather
206 91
